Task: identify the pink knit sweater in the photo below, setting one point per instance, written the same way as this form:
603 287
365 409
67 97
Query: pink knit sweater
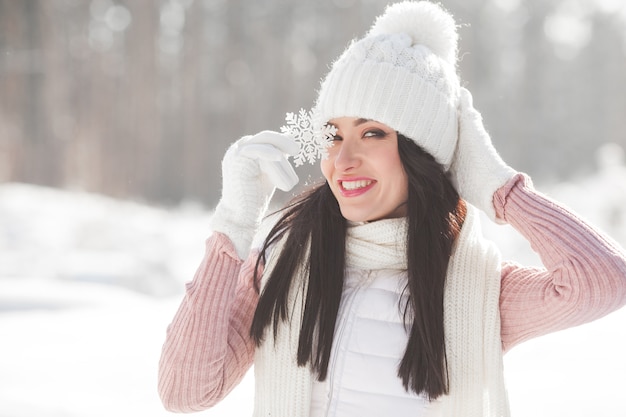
207 350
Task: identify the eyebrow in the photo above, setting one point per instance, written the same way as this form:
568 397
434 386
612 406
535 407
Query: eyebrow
357 122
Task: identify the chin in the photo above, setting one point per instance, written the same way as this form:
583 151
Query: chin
350 216
355 216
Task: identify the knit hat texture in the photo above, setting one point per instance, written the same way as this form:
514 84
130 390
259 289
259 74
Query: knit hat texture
402 74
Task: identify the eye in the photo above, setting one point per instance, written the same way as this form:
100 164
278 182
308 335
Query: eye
337 138
374 133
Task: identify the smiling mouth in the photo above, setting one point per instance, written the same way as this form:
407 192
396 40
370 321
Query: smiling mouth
355 185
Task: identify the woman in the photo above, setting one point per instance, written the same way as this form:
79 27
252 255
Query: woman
374 293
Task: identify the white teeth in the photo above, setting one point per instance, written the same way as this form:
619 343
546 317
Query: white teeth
353 185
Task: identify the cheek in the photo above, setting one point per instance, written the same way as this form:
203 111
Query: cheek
326 168
399 175
405 186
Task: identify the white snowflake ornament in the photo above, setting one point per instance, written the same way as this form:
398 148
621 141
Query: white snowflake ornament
313 136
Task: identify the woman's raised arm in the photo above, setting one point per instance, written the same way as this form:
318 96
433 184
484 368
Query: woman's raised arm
208 350
584 276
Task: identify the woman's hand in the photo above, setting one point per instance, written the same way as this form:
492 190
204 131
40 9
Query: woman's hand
477 170
252 168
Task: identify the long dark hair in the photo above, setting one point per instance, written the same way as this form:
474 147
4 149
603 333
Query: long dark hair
435 216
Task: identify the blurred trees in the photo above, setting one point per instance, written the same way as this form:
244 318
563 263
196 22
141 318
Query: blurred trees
140 98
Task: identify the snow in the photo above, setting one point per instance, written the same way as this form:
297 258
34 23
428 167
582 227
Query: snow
88 285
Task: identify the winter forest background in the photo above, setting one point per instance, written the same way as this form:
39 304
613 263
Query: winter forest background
115 114
140 98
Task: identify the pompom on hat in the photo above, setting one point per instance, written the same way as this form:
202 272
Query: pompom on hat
402 74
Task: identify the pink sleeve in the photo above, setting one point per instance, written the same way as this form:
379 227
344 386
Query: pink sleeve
208 349
584 274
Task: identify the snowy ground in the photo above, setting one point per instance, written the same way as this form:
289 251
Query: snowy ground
88 285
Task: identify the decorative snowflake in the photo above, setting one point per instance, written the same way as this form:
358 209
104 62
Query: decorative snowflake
313 136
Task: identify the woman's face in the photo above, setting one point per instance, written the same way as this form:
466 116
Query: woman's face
364 170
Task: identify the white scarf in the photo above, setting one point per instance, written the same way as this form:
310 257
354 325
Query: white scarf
471 322
377 245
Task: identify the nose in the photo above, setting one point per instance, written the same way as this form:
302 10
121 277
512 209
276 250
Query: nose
348 156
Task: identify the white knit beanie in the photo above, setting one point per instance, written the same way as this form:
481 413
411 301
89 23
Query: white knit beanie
402 74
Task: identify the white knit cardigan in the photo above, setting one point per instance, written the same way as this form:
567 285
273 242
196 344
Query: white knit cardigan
471 321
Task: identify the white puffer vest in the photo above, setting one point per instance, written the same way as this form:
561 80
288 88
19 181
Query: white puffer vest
369 343
370 339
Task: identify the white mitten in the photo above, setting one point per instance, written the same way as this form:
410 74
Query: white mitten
477 170
252 168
